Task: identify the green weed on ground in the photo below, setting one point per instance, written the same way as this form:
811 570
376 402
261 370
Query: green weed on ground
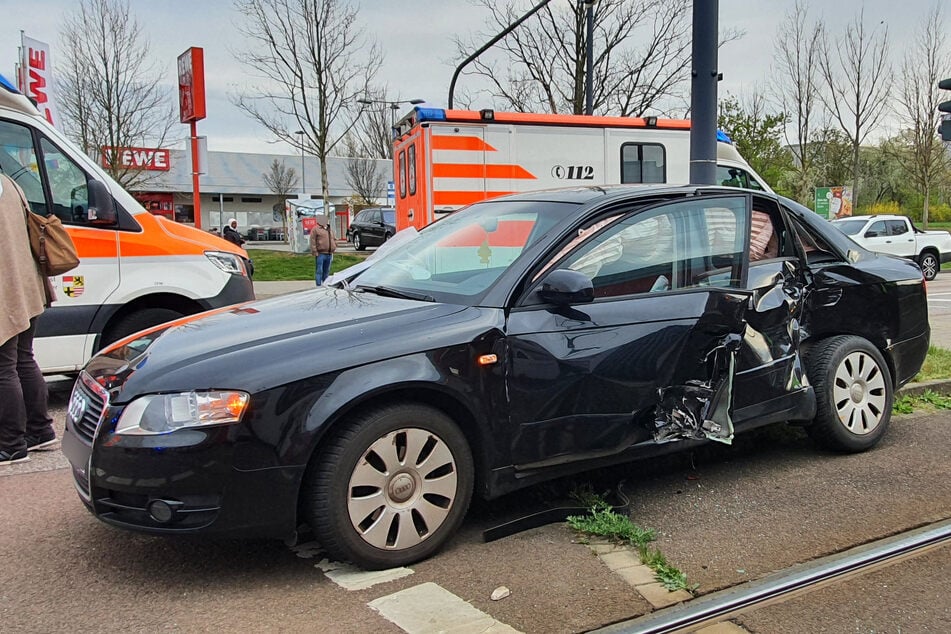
929 401
280 266
604 522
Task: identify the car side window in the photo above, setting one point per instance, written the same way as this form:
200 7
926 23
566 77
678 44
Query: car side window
68 184
682 245
815 248
896 227
377 217
18 160
877 229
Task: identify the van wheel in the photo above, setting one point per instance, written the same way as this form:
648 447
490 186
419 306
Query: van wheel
358 242
136 321
854 394
391 487
929 265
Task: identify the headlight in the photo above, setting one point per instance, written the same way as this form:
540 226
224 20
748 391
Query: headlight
163 413
227 262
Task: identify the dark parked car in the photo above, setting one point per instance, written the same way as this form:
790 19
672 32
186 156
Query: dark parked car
372 227
523 338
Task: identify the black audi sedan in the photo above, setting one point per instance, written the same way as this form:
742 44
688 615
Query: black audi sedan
523 338
372 227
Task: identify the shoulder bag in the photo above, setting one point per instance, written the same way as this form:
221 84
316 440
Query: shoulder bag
52 247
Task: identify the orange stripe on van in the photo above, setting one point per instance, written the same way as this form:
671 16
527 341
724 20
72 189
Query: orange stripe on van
93 243
463 198
480 170
457 142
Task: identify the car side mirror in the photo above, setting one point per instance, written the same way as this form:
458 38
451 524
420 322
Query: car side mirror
102 207
871 234
564 287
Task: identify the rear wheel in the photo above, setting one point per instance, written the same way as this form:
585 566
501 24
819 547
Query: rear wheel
391 487
136 321
358 242
387 236
929 265
854 393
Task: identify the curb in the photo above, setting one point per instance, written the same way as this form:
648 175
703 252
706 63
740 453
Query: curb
917 389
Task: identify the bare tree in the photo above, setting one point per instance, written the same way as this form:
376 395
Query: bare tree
927 60
796 89
641 56
314 64
281 180
373 131
857 82
112 97
364 175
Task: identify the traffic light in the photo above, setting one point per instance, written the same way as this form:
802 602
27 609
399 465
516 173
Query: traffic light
945 106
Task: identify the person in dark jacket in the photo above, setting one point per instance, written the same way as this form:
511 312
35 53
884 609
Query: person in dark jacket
231 232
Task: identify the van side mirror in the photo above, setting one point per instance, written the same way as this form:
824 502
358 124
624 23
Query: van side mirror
102 207
563 287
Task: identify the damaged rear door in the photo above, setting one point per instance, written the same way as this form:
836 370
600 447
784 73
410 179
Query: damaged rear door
652 354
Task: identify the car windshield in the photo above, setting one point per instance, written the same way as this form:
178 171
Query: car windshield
389 216
458 258
850 227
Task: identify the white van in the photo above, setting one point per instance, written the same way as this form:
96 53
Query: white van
136 270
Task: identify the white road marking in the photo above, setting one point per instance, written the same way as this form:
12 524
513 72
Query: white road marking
431 609
352 578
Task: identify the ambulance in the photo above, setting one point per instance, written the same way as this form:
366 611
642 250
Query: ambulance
136 270
447 159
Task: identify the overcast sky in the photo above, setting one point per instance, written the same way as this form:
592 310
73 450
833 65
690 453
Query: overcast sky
416 38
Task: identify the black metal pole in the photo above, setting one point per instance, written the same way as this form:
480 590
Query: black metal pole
589 61
487 46
703 93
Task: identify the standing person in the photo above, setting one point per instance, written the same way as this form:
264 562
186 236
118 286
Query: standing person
25 423
231 232
322 247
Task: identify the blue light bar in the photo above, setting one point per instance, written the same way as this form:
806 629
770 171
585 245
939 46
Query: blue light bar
430 114
6 84
723 137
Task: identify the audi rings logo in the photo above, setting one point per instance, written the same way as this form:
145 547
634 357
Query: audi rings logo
77 407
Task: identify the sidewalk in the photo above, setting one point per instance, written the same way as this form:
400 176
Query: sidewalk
263 290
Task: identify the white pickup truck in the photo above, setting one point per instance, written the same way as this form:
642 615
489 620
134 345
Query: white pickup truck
896 235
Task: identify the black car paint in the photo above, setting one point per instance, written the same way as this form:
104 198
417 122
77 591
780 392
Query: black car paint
373 233
312 359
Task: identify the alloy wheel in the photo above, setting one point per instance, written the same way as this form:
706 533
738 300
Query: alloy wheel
859 393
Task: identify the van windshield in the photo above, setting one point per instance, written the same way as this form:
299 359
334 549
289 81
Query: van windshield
459 257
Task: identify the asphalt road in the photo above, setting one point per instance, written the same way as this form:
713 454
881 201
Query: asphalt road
723 515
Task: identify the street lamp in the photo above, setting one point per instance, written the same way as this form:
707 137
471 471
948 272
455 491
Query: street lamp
394 105
303 180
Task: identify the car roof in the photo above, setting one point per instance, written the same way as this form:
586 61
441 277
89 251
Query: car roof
872 217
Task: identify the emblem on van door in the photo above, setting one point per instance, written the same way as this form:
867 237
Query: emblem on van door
77 407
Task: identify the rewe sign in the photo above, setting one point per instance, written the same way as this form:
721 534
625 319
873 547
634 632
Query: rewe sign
142 158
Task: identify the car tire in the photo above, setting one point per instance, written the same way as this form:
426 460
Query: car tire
358 242
854 394
929 265
136 321
391 487
386 236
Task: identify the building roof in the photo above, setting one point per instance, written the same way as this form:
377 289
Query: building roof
243 173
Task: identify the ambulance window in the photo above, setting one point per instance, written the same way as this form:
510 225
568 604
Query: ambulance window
67 184
402 174
18 161
643 163
412 169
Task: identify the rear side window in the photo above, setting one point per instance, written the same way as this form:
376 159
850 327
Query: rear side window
896 227
643 163
402 173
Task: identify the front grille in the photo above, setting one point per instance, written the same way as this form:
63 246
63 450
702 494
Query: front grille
86 405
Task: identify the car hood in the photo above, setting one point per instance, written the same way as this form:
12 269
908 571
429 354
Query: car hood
259 345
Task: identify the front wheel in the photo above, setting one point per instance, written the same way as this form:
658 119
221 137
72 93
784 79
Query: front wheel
929 265
136 321
391 487
854 393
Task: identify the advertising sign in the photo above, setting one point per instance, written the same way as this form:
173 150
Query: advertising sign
151 159
834 202
191 84
36 79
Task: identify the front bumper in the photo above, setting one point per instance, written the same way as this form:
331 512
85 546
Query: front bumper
121 478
